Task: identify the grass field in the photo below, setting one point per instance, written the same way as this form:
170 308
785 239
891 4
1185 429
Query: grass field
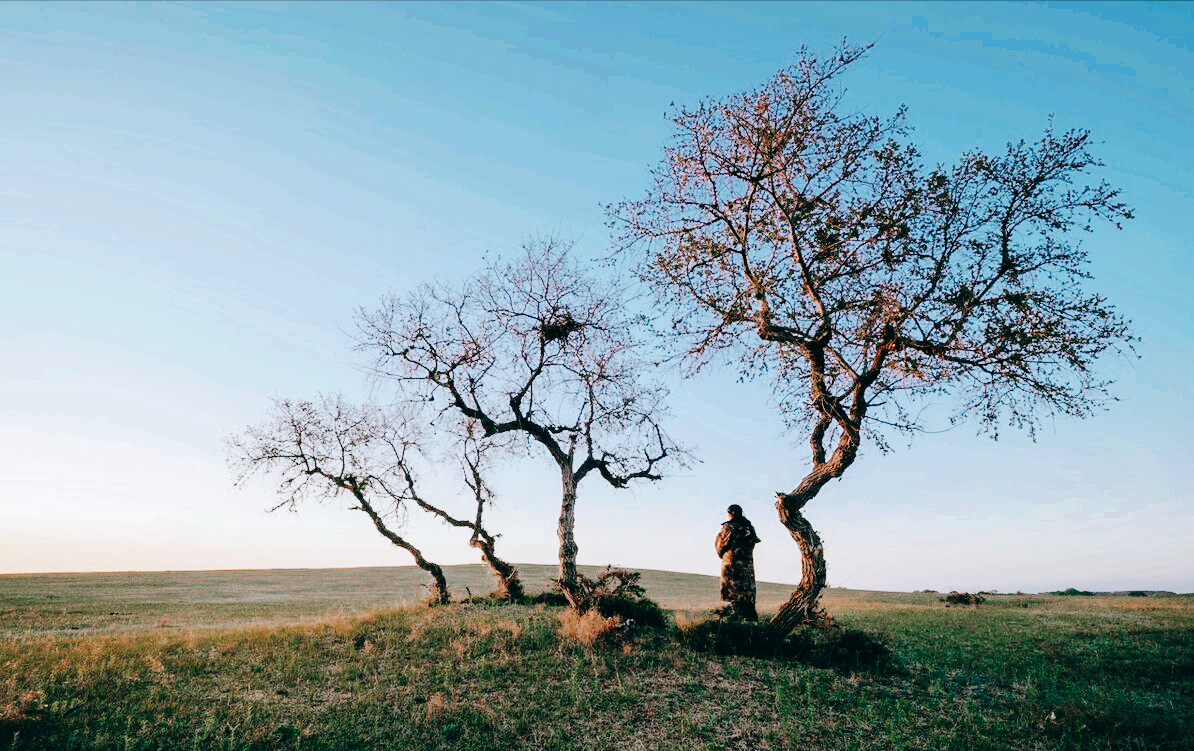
348 659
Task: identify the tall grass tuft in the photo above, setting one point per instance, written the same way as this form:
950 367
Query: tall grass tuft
589 628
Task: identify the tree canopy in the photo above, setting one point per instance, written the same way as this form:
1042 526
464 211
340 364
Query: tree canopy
539 349
317 450
812 243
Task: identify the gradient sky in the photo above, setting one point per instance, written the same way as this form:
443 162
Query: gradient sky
194 199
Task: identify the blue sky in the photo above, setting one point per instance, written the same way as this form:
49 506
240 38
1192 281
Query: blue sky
194 199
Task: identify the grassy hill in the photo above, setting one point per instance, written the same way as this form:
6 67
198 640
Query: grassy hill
347 659
185 599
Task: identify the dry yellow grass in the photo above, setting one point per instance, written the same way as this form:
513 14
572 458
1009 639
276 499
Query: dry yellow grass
587 628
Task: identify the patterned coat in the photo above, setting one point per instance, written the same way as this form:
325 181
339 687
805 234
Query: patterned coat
735 545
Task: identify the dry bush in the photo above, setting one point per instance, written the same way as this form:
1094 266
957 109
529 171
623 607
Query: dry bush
616 595
588 628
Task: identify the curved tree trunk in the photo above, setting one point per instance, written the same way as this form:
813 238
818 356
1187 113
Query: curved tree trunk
568 549
437 590
802 606
509 586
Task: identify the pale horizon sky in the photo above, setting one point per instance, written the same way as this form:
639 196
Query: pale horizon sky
194 198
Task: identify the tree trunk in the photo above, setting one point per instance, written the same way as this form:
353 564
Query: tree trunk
802 606
437 590
509 586
568 549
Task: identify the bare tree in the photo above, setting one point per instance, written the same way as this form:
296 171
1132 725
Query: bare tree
538 349
318 450
474 460
812 244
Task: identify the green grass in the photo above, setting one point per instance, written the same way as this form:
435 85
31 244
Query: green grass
326 660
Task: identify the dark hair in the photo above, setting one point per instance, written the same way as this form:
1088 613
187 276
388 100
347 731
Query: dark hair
735 509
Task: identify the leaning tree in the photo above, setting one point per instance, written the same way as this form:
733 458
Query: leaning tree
476 459
540 350
317 450
809 241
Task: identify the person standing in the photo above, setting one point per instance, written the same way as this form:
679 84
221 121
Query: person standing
736 545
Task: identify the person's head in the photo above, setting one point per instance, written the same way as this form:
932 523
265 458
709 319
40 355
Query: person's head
734 511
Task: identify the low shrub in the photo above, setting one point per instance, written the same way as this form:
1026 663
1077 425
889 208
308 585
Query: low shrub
551 599
492 598
1071 592
640 614
612 582
616 596
611 609
963 598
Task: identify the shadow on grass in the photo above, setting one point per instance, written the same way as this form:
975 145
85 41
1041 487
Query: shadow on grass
843 650
637 617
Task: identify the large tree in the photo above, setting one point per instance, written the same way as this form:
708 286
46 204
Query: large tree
541 350
318 450
810 242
